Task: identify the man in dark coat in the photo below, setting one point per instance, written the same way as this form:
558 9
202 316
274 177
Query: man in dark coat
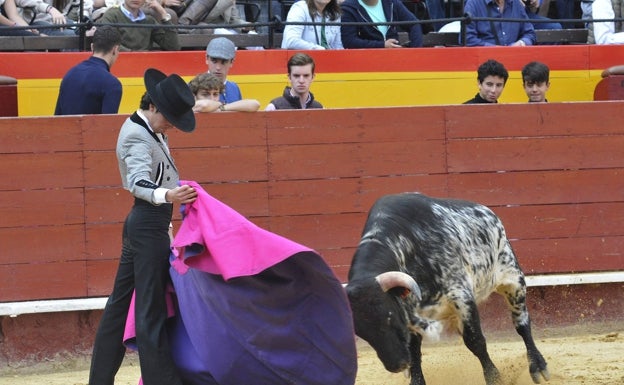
377 36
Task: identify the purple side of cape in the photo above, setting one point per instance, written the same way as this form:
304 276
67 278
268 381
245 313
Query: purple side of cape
254 307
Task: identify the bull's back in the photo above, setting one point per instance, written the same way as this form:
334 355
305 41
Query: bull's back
442 241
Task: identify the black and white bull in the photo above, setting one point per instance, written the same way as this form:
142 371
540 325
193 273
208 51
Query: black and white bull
423 263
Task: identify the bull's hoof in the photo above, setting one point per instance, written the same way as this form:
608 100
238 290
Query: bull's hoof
537 375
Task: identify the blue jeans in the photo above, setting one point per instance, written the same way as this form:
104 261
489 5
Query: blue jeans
551 25
436 11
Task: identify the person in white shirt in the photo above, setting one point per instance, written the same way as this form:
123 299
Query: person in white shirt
607 32
310 36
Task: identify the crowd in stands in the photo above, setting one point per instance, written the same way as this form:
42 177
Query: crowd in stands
314 24
90 88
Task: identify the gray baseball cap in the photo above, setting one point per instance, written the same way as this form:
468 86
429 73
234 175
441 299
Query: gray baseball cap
221 48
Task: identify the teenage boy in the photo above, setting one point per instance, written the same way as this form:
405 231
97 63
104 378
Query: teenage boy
297 96
207 89
220 54
536 82
491 79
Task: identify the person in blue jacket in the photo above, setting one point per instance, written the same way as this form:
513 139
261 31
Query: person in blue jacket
89 87
377 36
507 33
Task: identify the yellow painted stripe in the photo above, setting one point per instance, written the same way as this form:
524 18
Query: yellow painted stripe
37 97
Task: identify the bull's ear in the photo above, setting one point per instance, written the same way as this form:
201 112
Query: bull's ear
402 292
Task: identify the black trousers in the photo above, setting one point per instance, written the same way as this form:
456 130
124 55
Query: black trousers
143 268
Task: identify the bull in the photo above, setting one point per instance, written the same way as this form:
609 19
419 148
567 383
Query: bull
423 264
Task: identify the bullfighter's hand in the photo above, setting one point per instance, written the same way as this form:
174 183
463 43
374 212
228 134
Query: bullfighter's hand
181 194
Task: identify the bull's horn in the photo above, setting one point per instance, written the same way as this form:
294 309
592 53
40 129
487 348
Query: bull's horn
391 279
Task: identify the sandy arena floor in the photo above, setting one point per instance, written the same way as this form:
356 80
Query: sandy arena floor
590 355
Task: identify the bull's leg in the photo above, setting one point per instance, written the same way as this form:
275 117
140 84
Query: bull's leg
416 373
475 341
515 294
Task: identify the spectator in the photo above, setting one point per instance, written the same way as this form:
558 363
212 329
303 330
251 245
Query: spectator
586 14
89 87
207 89
377 36
40 14
142 39
488 33
206 12
101 6
532 9
220 54
491 79
9 17
298 95
435 8
313 36
536 82
71 10
607 32
565 10
169 5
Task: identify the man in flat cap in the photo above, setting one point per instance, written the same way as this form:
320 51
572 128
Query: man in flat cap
149 173
220 54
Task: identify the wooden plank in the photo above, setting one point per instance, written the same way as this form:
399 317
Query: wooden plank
112 205
12 43
339 260
561 221
373 188
539 187
570 255
43 43
100 131
325 196
345 126
41 207
217 130
107 205
29 171
200 41
22 282
466 121
101 169
101 276
249 199
42 244
445 39
331 231
562 36
233 164
530 153
103 241
40 135
356 160
348 195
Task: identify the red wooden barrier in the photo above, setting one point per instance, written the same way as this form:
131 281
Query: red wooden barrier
8 96
553 172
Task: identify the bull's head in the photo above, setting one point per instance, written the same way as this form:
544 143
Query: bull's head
381 315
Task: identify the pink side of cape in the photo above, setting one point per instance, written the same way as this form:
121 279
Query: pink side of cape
232 245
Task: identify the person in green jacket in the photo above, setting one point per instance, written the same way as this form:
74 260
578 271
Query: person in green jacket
142 39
